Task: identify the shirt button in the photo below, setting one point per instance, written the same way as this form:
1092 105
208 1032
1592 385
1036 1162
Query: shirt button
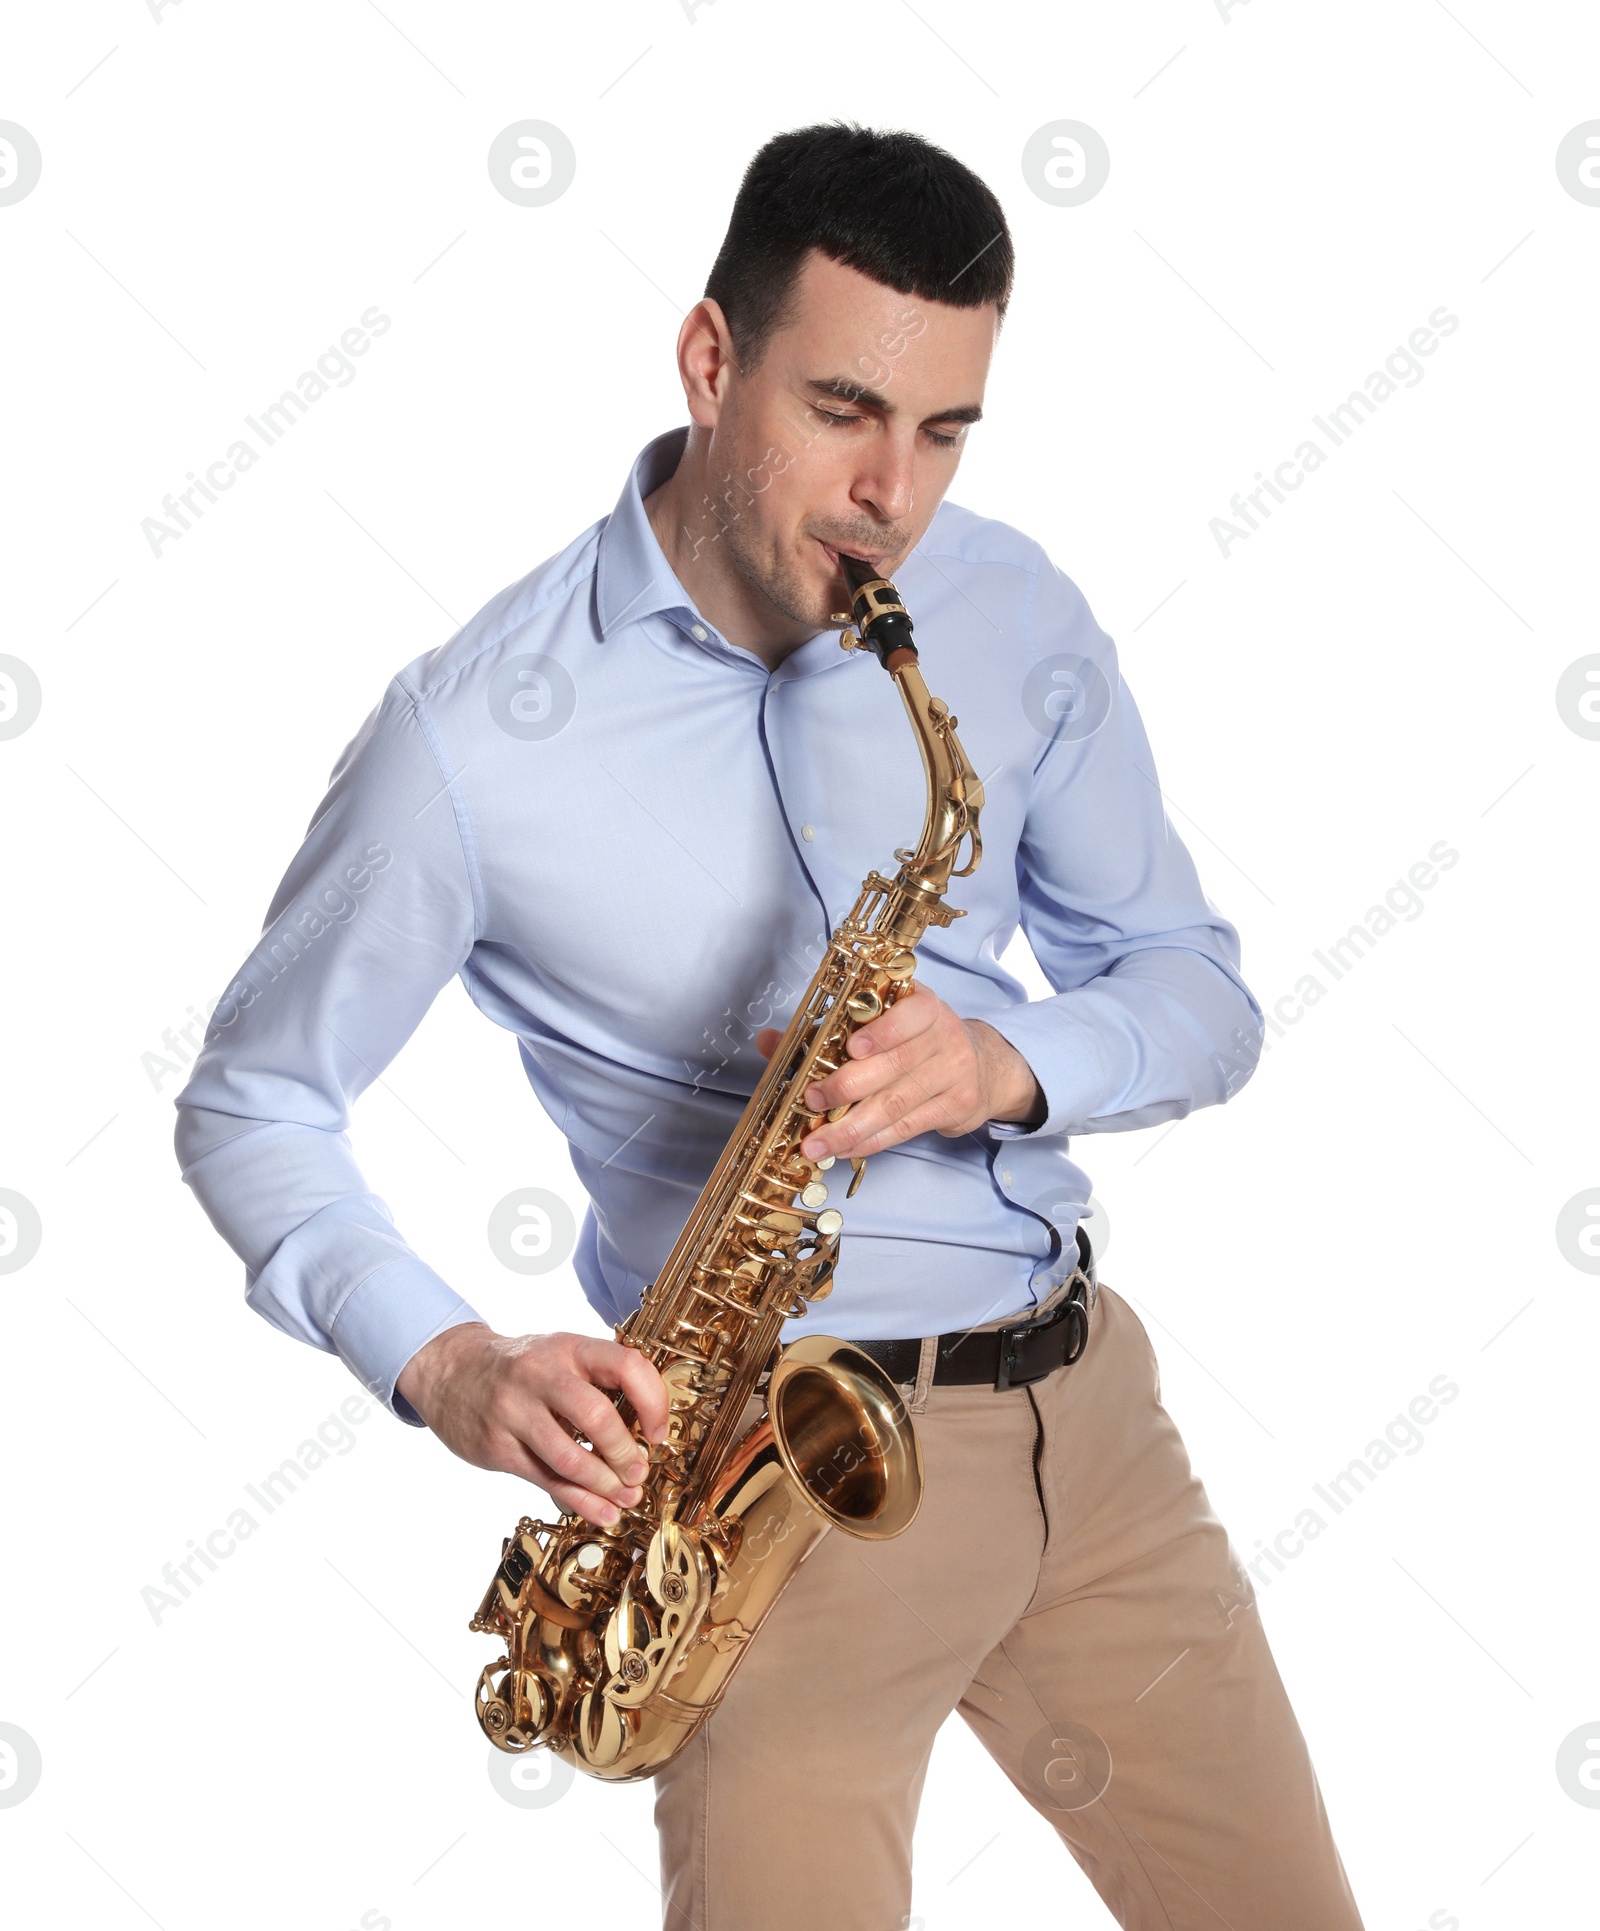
1005 1176
698 633
808 832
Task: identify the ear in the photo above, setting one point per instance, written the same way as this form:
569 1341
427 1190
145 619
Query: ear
706 364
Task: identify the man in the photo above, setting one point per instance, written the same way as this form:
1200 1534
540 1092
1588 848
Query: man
626 804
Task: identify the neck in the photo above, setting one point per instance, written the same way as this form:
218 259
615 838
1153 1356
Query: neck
691 541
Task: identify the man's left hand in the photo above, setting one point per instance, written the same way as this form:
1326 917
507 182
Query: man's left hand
918 1068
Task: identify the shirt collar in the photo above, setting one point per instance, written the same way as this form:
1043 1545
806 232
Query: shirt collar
632 577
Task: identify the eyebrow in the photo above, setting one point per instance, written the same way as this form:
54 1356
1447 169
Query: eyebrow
843 388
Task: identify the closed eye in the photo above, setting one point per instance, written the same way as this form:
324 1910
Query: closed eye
933 435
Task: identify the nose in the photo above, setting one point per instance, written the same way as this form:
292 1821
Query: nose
886 484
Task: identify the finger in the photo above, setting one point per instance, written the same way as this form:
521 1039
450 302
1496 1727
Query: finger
912 1013
898 1113
888 1086
544 1437
582 1501
861 1129
611 1365
767 1040
577 1500
570 1496
578 1402
874 1137
869 1074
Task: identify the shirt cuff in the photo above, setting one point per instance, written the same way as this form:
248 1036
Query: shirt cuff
1065 1059
383 1322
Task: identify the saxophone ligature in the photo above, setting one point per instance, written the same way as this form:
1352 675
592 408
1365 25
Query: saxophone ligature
619 1642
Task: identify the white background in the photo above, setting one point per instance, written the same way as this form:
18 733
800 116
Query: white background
1292 191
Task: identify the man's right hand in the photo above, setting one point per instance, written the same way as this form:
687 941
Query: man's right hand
514 1403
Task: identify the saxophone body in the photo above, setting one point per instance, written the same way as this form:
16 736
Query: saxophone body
619 1643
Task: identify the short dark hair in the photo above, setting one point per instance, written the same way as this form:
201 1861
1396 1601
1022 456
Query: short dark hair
888 204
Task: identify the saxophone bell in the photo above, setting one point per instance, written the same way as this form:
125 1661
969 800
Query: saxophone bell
842 1433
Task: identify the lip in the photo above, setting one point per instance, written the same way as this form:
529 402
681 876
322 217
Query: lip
873 562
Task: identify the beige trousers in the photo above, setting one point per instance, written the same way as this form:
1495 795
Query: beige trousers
1067 1588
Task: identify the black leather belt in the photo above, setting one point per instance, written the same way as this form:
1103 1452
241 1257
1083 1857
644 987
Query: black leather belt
1007 1357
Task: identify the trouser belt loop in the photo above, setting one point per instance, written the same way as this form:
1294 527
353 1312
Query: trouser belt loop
926 1361
1086 1264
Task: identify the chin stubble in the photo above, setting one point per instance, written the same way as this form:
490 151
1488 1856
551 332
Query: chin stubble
782 586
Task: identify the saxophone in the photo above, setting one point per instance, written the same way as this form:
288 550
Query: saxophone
619 1643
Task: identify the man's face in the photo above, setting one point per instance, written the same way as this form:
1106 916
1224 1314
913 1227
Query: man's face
847 434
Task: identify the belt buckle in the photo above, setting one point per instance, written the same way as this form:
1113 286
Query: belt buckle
1075 1309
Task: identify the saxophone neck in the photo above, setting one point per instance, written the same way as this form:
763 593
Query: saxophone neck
955 791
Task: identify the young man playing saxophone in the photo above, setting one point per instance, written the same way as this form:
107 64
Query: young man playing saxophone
634 794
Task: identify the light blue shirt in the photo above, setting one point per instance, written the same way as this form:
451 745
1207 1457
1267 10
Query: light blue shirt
630 839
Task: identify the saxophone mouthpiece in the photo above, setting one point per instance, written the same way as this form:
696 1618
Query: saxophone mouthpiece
880 616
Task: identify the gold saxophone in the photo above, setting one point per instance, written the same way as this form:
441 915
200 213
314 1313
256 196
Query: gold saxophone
620 1642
